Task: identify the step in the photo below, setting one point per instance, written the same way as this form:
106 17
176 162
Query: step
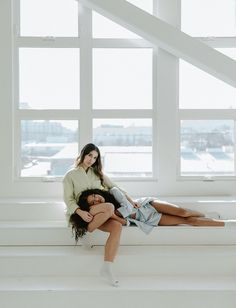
58 233
140 291
40 209
15 210
208 261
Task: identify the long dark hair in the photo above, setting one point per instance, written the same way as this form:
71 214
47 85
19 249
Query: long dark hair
79 226
97 166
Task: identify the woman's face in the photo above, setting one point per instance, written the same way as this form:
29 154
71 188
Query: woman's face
89 159
95 199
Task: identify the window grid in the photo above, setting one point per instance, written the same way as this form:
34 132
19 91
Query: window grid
208 114
85 43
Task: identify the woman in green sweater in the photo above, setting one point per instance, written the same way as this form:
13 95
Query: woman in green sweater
88 174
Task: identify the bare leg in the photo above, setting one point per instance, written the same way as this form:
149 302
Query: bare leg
173 209
118 218
170 220
101 213
114 228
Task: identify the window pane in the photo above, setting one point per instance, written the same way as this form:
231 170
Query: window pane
48 147
126 146
122 78
208 17
105 28
199 90
49 78
49 18
230 52
207 147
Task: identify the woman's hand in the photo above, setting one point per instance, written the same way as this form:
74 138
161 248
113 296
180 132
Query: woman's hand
136 204
86 216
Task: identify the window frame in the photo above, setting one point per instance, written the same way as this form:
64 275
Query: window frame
86 43
207 114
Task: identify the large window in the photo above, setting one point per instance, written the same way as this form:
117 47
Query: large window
48 148
126 81
72 88
164 126
105 28
49 78
45 18
209 18
207 147
207 105
126 146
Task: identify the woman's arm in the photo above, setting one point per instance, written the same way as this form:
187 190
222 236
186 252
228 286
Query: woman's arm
68 195
86 216
121 220
111 184
135 204
70 201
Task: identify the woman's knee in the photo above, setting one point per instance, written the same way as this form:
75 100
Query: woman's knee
109 208
183 212
105 208
115 226
192 221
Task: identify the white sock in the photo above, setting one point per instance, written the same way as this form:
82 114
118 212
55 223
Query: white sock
107 272
230 223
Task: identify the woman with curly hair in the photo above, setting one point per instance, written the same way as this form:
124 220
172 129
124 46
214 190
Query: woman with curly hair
149 214
88 201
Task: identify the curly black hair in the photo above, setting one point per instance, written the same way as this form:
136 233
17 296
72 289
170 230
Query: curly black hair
79 226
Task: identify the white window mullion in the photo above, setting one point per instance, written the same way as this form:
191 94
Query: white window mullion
155 162
235 147
121 43
16 117
122 113
47 42
86 83
205 114
167 103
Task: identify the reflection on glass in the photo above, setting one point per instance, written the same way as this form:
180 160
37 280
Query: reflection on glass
57 18
126 146
208 17
207 147
199 90
48 148
122 78
49 78
105 28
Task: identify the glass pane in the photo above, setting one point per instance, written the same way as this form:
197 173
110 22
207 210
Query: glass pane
105 28
49 78
49 18
208 17
230 52
199 90
207 147
122 78
48 148
126 146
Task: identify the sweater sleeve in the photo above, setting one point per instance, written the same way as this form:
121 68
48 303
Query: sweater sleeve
69 196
